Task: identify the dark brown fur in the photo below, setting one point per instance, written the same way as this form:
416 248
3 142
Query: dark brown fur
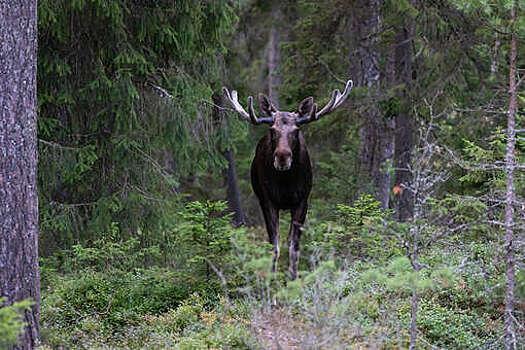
283 189
281 171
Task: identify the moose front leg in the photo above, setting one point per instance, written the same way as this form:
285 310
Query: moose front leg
296 226
271 219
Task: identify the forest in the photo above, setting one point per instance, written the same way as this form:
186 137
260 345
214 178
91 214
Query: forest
384 209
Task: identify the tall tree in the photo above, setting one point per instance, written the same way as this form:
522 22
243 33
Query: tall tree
510 165
104 133
376 133
233 194
404 123
19 276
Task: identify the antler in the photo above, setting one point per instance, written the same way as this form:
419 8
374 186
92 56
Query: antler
250 115
337 99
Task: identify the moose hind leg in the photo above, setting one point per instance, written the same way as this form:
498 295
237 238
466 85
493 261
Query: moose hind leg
271 219
296 226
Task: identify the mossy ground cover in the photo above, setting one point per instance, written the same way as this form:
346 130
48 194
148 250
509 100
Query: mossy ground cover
338 301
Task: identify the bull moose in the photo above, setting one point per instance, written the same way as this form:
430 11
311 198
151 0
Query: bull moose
281 172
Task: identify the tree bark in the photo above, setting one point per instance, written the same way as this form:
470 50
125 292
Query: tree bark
510 165
376 134
404 125
415 231
233 195
19 276
414 302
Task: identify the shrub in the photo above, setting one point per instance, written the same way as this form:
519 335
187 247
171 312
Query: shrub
11 322
452 329
95 301
203 237
111 284
358 231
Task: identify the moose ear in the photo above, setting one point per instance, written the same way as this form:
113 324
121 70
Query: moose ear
305 107
267 108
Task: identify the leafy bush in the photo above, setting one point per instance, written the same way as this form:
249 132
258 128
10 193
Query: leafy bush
191 325
399 277
358 231
368 302
453 329
198 283
203 238
111 284
110 299
11 322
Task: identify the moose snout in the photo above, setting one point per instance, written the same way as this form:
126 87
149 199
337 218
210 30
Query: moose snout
282 160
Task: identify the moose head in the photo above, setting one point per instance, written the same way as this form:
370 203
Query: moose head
284 126
281 172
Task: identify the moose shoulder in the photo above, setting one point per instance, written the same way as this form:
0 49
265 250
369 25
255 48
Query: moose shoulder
281 172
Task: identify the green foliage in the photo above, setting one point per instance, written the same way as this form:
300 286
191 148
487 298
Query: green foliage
138 255
109 136
11 322
191 325
358 231
365 210
111 284
374 297
205 234
110 254
399 277
453 329
109 297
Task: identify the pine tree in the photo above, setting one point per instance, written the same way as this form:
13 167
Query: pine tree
125 111
19 274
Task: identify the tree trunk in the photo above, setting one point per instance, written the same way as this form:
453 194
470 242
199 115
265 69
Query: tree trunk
414 302
404 125
387 149
510 164
274 55
233 194
376 134
415 231
19 277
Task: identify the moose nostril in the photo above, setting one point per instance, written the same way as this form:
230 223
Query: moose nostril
282 158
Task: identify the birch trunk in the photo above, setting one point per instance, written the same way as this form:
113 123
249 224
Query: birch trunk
510 164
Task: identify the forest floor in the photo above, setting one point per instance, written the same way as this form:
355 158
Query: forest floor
276 329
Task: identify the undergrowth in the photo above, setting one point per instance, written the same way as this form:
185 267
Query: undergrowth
202 284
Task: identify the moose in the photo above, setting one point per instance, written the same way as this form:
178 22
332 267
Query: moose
281 172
